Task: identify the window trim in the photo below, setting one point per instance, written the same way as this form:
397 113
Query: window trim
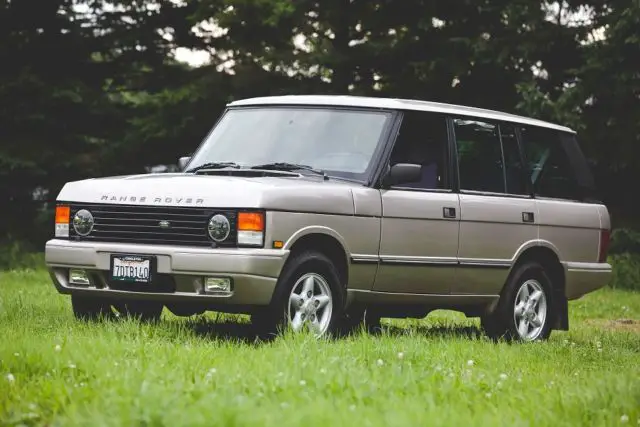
499 123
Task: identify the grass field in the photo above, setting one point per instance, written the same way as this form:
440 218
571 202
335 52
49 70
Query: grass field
207 371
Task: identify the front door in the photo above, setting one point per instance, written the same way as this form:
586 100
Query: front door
420 221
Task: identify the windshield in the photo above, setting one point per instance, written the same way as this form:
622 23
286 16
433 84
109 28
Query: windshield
340 142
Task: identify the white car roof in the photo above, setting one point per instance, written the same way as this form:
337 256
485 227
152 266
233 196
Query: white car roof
394 104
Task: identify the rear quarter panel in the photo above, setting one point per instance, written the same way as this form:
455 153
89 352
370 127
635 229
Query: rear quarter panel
572 228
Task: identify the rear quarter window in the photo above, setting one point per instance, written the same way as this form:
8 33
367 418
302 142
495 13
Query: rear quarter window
556 165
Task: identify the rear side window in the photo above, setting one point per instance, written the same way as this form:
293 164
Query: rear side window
480 159
550 169
489 158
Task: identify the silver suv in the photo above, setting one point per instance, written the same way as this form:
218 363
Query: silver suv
327 212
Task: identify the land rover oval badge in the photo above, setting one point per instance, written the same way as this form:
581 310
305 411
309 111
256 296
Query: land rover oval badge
164 224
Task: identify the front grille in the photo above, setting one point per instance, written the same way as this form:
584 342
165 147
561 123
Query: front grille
141 224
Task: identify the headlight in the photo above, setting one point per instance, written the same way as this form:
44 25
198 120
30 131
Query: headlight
219 228
83 222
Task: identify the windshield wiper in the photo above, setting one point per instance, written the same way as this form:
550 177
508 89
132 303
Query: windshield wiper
284 166
214 165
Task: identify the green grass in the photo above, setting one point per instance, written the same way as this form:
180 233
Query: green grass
207 371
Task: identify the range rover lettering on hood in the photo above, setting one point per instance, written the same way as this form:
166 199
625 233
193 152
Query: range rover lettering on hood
145 199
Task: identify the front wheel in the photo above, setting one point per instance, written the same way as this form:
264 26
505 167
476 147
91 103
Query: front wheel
309 295
525 309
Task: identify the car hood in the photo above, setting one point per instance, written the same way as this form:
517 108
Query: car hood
291 193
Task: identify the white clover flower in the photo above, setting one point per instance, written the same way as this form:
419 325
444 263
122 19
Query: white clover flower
503 377
380 362
303 383
470 362
323 371
10 377
57 347
624 418
72 366
16 354
400 355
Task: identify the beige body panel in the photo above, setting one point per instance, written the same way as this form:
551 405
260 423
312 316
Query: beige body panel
359 235
572 228
418 246
491 233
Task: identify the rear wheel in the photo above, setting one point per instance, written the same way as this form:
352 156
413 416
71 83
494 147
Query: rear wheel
525 310
308 295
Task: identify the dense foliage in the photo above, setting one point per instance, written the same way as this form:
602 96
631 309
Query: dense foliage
91 88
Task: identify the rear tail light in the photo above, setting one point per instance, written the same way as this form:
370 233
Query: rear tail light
605 237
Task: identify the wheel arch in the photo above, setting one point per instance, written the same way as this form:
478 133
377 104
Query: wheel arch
326 241
545 253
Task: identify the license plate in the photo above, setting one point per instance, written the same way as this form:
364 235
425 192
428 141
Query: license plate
132 268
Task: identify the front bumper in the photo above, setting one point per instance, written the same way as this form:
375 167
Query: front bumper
180 271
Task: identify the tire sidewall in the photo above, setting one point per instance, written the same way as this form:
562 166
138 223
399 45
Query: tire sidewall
296 267
528 271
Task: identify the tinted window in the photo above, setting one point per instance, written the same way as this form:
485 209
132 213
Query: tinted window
480 157
422 140
549 168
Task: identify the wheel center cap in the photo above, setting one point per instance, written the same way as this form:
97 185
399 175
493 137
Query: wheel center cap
309 308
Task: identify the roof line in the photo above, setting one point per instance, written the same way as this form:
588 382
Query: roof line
395 104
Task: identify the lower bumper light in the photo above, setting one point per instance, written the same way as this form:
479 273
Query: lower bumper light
217 284
78 277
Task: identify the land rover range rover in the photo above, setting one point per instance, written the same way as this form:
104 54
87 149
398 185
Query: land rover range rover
326 212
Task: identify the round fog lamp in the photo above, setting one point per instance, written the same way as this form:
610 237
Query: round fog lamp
219 228
83 222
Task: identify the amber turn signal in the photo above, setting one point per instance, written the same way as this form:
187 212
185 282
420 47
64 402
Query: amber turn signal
62 214
250 221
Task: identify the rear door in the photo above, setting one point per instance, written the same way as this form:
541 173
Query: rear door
498 213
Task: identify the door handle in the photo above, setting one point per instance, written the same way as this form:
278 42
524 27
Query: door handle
448 212
528 217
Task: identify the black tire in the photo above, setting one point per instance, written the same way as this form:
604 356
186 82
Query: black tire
90 308
501 324
145 311
275 318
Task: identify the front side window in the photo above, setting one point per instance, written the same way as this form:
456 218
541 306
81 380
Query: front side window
422 140
548 165
340 142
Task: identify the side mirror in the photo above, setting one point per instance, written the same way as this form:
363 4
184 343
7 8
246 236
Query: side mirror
402 173
182 162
